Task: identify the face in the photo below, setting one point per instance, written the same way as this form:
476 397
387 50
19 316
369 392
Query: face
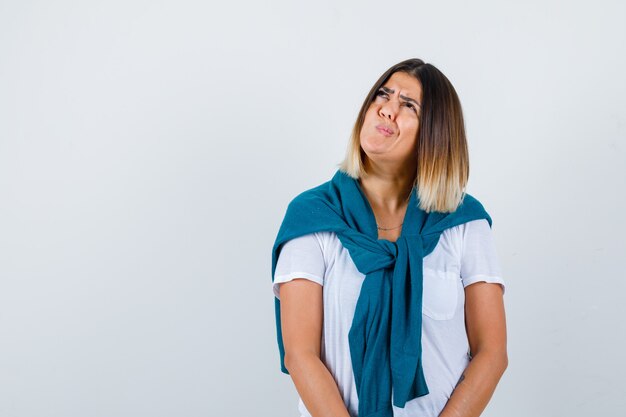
389 131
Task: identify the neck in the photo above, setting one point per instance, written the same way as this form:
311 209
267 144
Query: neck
388 190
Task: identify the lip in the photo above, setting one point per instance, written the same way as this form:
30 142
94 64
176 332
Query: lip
385 130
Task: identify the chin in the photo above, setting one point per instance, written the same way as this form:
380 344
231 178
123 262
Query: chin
374 153
379 157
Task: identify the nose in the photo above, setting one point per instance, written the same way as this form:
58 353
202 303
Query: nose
389 110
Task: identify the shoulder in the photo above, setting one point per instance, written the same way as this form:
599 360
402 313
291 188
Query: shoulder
468 210
474 208
306 213
475 226
322 241
469 232
471 227
310 196
454 239
470 201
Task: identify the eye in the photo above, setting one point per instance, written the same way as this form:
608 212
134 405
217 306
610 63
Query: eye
381 93
410 106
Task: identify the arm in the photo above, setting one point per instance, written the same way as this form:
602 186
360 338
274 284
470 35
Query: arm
486 332
301 321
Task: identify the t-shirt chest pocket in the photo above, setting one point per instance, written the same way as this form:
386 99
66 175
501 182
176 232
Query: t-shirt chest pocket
440 297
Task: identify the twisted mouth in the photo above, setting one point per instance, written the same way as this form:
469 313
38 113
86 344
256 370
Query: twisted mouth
385 130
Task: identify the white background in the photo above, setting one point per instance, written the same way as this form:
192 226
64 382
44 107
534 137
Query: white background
148 150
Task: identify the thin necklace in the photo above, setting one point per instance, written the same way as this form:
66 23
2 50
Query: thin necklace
392 228
388 228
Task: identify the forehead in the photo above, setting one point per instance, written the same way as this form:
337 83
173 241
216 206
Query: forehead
406 83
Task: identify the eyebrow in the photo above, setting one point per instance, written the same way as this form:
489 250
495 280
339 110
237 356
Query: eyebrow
390 91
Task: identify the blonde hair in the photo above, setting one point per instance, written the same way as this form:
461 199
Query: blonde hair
442 154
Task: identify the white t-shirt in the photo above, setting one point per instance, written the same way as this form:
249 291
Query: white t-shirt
464 254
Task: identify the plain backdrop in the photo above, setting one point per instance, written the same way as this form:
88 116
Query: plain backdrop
149 149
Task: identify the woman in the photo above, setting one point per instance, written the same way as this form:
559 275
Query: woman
388 290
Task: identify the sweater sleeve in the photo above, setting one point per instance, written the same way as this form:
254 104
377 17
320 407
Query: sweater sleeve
479 258
301 257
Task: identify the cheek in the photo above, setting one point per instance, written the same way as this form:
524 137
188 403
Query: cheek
370 114
410 126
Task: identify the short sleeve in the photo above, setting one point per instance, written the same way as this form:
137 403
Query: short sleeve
479 258
301 257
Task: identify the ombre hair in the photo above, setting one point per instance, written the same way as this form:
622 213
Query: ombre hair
442 155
